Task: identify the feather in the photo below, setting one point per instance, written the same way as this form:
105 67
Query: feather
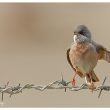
103 53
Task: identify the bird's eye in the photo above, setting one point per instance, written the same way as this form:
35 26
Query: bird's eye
81 32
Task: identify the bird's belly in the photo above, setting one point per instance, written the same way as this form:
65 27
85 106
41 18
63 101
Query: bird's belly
83 66
84 60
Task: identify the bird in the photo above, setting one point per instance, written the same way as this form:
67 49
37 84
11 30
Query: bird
84 54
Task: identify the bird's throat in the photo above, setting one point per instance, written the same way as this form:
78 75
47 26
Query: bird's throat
80 39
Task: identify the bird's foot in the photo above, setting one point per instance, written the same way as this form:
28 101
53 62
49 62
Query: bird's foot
73 82
91 86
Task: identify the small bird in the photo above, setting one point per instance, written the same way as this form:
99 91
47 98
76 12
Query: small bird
84 54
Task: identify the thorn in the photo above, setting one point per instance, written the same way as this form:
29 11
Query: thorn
2 96
19 84
65 89
63 82
102 85
7 83
62 76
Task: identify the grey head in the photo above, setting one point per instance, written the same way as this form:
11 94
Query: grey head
82 34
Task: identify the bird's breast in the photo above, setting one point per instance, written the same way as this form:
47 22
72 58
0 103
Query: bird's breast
78 50
83 56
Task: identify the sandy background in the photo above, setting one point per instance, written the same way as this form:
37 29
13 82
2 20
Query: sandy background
33 42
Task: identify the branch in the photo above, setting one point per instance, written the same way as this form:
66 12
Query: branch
58 84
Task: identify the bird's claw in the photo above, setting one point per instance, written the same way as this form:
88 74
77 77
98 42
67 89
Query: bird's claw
73 82
92 87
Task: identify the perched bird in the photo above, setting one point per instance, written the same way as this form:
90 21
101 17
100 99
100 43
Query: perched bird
84 54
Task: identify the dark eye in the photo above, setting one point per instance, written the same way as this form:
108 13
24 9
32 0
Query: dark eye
81 32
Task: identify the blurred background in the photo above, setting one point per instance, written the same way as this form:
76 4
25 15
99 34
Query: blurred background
33 42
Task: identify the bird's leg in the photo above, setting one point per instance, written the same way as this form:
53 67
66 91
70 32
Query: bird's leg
73 82
92 86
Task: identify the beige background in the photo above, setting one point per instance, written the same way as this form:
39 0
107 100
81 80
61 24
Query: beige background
33 42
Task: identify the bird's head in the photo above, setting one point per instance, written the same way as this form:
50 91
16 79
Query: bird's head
82 34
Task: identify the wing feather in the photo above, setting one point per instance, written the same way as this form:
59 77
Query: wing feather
68 58
103 53
75 69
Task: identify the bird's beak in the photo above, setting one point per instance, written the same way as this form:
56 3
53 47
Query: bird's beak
75 35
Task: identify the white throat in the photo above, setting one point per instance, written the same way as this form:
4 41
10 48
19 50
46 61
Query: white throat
80 39
75 38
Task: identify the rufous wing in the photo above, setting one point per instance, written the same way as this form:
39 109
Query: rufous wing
103 53
68 59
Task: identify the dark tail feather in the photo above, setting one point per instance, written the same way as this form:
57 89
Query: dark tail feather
93 76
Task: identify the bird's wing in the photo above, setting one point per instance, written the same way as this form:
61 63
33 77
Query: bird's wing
103 53
68 58
75 69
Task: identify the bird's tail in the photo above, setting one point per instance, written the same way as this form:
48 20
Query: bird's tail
92 76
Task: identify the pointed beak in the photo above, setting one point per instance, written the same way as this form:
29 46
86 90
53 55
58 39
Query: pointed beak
75 35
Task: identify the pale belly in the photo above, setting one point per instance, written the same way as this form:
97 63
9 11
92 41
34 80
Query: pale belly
84 59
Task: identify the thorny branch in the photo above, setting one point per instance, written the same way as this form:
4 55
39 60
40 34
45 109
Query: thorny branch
58 84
